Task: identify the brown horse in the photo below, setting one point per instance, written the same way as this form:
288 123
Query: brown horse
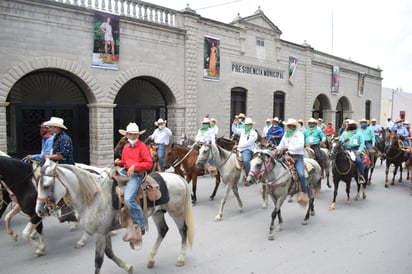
180 156
408 165
394 155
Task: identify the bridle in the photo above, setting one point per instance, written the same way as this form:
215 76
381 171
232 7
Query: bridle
49 202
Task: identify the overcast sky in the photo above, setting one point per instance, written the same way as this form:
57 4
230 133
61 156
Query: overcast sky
370 32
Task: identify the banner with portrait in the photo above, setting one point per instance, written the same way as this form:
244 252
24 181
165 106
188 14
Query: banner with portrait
211 64
335 79
106 41
361 83
293 63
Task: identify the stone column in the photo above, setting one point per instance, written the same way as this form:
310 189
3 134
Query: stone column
101 134
3 127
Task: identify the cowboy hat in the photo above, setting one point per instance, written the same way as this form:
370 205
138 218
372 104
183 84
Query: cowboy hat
242 115
312 120
248 121
55 122
373 120
292 122
205 121
213 120
131 128
320 120
363 120
276 119
351 122
160 121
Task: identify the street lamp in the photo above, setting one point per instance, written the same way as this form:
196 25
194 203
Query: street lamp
393 93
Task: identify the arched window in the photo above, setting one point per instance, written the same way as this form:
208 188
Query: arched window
368 110
279 105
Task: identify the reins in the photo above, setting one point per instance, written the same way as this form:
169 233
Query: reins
184 157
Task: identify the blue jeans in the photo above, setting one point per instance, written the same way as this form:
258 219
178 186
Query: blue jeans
130 191
369 145
300 169
161 154
246 157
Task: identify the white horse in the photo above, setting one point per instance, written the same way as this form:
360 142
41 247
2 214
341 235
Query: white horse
91 196
226 162
277 175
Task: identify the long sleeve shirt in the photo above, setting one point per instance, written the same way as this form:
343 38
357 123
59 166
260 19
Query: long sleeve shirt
62 145
137 155
295 143
275 133
368 135
46 147
247 139
313 136
161 136
355 140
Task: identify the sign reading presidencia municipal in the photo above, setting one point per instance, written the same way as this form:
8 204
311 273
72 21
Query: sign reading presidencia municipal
248 69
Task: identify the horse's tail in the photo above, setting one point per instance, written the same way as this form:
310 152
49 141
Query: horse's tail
189 217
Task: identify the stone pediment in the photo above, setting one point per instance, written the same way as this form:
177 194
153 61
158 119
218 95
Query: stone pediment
258 19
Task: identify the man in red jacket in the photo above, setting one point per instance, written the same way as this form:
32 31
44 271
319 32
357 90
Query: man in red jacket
136 159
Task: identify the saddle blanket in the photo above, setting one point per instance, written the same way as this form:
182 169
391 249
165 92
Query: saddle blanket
163 189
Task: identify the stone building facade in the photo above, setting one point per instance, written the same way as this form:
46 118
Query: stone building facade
46 71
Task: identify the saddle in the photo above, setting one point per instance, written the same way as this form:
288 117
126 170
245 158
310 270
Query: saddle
309 169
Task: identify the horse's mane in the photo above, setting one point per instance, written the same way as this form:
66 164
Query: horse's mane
88 182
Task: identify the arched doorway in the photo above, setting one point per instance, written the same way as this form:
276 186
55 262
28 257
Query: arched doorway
238 97
279 105
38 96
142 100
320 104
343 110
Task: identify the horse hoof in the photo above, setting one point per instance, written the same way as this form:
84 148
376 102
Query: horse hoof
38 253
392 183
386 185
364 196
211 198
218 219
312 213
129 269
78 245
271 237
357 198
180 263
305 222
332 207
150 264
329 186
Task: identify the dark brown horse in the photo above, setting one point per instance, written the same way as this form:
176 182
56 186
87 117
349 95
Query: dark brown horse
179 156
394 155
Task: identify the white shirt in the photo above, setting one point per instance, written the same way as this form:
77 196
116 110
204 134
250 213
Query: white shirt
161 136
295 143
246 140
204 136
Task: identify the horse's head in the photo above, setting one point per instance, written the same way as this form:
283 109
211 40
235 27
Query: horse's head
49 191
258 165
153 152
204 154
335 148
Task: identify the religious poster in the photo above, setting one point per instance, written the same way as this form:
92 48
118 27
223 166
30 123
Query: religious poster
361 83
211 66
335 79
106 41
293 62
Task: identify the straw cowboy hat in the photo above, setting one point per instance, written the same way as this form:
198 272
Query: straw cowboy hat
248 121
131 128
373 120
242 115
351 122
276 119
312 120
55 122
160 121
363 120
292 122
205 121
213 120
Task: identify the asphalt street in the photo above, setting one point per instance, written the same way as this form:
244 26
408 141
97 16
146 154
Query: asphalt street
367 236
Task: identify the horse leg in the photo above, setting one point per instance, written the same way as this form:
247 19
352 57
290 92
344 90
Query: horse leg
358 191
16 209
395 170
108 250
387 174
222 203
194 188
335 193
235 190
33 230
271 235
348 189
162 229
264 192
80 243
311 208
400 173
217 183
5 200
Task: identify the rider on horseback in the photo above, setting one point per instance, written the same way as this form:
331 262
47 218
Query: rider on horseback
314 136
353 141
294 143
368 137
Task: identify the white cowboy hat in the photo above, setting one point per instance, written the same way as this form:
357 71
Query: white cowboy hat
363 120
373 120
276 119
205 121
292 122
351 122
55 122
160 121
131 128
248 121
312 120
213 120
242 115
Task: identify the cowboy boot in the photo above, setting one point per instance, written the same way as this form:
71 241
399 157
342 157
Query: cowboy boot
303 199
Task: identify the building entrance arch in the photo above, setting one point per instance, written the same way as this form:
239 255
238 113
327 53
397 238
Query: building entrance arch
343 111
143 100
320 106
35 98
